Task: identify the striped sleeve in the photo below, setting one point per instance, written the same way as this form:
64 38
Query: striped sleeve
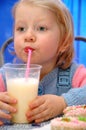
77 94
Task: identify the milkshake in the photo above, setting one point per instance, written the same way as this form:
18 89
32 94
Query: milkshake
24 90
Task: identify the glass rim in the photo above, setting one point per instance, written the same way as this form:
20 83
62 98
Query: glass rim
21 66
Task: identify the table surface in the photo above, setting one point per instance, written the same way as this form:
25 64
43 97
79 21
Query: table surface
33 126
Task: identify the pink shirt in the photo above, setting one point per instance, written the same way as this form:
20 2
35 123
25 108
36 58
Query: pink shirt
79 78
2 85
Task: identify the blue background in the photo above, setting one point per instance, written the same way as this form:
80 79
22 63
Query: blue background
77 9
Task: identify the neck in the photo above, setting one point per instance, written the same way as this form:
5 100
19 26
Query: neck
46 69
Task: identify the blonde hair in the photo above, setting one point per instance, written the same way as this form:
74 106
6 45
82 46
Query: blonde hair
65 48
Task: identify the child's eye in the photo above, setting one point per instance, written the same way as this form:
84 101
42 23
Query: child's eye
41 28
21 29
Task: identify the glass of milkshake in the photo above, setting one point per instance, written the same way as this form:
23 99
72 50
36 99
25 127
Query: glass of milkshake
23 89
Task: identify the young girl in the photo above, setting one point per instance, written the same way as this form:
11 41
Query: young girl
46 27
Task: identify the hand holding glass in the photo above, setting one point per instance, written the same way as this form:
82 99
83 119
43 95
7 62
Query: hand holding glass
23 89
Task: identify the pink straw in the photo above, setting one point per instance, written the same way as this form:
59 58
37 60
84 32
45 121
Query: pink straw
28 63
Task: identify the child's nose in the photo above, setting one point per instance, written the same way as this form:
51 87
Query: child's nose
30 37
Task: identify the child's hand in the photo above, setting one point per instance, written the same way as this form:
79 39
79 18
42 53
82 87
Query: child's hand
5 100
45 107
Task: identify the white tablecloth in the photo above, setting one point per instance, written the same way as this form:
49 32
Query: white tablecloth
42 126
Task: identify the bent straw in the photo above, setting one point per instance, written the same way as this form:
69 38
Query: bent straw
28 63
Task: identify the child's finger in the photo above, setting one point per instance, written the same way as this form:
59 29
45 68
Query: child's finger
7 107
37 102
4 115
5 98
1 123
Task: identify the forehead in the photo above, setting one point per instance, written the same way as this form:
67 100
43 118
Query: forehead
29 10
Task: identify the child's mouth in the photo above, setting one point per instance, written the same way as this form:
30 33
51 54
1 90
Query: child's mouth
27 48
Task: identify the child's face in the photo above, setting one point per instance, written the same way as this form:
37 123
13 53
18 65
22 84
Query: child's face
36 28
